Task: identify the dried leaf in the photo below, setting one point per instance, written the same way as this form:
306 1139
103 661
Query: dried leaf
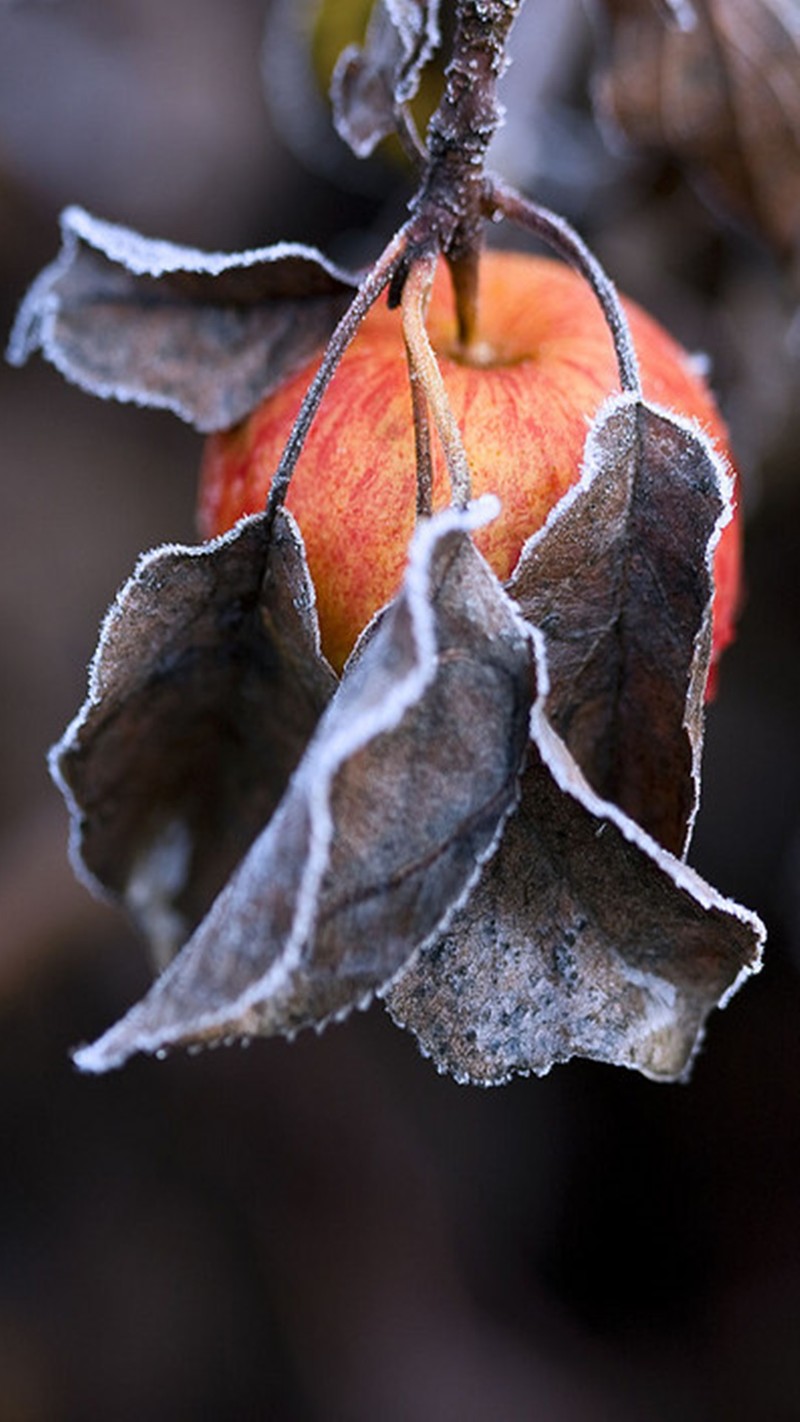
206 686
721 95
620 581
206 335
299 110
370 83
398 801
583 938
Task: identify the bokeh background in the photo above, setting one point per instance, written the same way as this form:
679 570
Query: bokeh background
329 1232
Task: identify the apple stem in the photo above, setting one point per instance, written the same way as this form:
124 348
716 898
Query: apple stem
375 282
464 277
426 377
558 234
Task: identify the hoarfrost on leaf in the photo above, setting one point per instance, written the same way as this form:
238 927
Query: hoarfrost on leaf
372 82
398 801
620 580
205 688
583 938
204 334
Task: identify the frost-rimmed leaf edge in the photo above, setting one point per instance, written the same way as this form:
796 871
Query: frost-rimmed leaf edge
417 48
102 1055
116 611
139 256
590 470
568 778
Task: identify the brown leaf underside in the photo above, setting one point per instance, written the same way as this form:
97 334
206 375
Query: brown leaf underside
578 941
399 798
206 336
207 685
371 81
619 581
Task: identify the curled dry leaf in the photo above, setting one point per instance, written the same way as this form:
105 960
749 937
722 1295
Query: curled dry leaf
721 95
371 82
583 938
399 799
620 582
206 686
292 84
206 335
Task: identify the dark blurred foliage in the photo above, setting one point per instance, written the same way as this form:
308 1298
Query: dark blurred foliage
329 1230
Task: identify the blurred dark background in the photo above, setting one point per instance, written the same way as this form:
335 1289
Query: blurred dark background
329 1230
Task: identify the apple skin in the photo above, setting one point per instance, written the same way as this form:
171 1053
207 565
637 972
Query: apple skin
547 365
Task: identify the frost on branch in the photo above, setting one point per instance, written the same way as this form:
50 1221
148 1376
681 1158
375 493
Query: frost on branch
583 938
398 801
721 95
620 581
206 335
372 82
206 686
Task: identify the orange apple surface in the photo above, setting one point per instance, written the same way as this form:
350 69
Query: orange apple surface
547 364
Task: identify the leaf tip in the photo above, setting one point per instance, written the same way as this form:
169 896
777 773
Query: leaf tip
95 1058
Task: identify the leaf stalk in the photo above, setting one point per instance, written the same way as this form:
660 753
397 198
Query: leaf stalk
426 376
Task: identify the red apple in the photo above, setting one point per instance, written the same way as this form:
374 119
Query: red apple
547 364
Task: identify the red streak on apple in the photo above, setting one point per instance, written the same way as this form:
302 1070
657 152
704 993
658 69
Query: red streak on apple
547 365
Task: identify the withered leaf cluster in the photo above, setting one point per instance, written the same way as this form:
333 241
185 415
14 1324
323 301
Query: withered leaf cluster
483 821
372 82
587 934
383 827
715 84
